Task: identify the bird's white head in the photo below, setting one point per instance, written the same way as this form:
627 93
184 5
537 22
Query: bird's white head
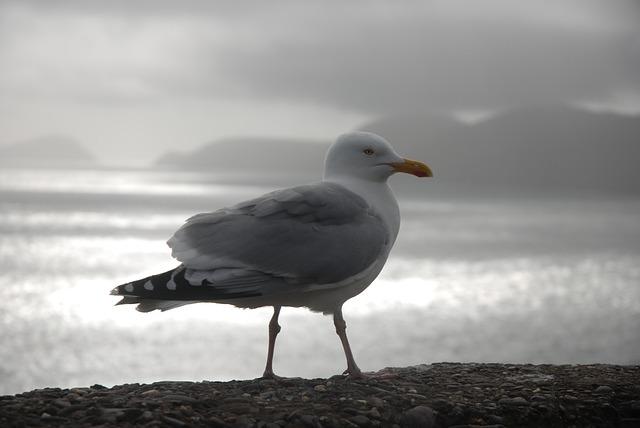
369 157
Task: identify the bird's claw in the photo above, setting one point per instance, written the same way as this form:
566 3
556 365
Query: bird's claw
353 374
271 376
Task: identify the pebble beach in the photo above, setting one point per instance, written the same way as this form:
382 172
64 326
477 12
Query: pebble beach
434 395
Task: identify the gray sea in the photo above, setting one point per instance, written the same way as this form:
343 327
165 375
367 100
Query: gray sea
510 277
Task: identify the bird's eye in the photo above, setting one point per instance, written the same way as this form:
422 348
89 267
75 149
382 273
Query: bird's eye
368 152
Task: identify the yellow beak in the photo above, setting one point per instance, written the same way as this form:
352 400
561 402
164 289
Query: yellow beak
414 167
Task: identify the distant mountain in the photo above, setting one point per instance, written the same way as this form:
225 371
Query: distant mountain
530 148
48 151
545 148
276 156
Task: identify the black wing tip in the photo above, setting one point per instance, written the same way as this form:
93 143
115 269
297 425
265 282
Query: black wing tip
147 306
173 286
143 305
128 300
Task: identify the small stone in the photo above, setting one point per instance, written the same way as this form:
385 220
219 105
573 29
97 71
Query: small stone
173 421
376 401
320 388
243 421
419 416
360 420
417 396
515 401
442 405
73 397
603 389
544 380
67 410
267 395
347 423
219 423
111 415
179 398
150 392
132 413
374 413
308 420
61 402
239 409
235 400
495 419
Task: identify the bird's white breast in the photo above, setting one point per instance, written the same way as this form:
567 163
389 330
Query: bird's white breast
380 197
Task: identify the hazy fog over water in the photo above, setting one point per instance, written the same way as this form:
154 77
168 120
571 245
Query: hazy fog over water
119 120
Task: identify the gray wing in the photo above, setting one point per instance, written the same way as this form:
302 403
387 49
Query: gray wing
314 234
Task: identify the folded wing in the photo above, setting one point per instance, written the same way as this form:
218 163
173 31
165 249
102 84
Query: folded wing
314 234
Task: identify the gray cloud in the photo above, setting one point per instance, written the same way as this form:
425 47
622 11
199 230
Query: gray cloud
214 68
373 57
428 59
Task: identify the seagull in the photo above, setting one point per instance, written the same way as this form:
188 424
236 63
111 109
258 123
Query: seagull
313 246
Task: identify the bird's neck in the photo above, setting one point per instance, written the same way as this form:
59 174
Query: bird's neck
378 195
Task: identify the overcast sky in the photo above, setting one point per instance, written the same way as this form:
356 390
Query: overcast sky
132 79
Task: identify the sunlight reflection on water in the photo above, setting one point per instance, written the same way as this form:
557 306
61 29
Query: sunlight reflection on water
114 182
90 221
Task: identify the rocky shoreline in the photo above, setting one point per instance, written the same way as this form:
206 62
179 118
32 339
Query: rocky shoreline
435 395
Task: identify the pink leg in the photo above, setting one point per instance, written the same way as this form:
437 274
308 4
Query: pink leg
341 329
274 329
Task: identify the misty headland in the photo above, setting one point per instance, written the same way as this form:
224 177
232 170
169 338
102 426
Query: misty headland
551 148
554 148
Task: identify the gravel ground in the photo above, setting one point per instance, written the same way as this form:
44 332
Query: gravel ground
436 395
